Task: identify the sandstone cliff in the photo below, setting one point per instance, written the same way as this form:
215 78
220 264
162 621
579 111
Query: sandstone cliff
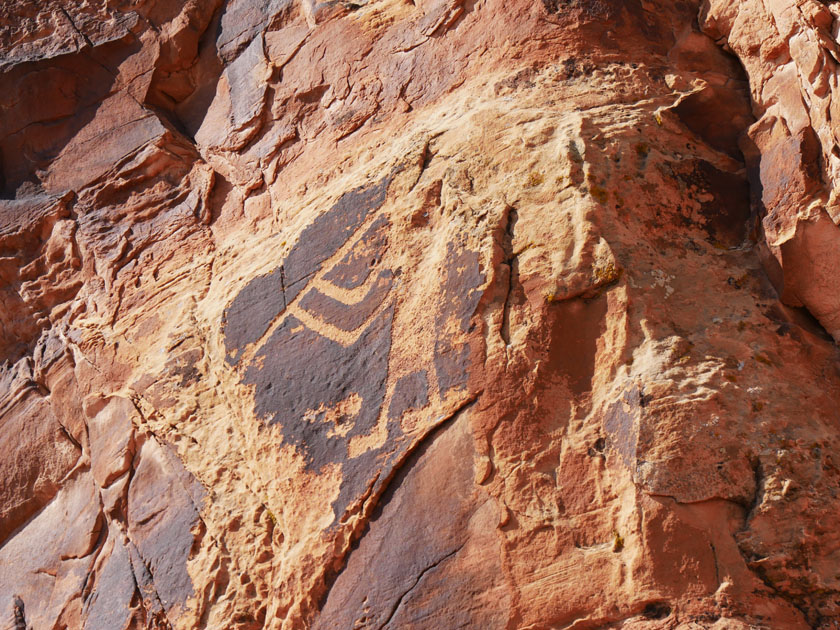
440 314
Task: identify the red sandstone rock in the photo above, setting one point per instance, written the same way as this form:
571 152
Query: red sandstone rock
419 315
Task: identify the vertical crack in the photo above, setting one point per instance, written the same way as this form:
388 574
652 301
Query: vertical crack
717 564
20 615
513 272
283 285
758 495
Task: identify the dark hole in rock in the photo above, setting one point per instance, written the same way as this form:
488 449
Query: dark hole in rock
597 449
717 115
656 610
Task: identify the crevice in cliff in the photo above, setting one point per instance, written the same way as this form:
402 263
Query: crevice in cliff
512 262
19 614
201 75
86 590
717 563
283 286
758 495
68 435
812 620
424 159
750 559
787 174
149 598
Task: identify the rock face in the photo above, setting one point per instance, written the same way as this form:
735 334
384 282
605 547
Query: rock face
449 314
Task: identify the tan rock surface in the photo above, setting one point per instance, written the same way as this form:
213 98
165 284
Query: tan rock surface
445 314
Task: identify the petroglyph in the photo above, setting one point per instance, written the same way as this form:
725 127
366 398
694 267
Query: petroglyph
353 270
313 338
264 299
348 317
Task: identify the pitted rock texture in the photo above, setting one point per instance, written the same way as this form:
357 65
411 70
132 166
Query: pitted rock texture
442 314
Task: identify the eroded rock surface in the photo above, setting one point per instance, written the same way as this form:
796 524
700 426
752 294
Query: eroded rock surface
445 314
